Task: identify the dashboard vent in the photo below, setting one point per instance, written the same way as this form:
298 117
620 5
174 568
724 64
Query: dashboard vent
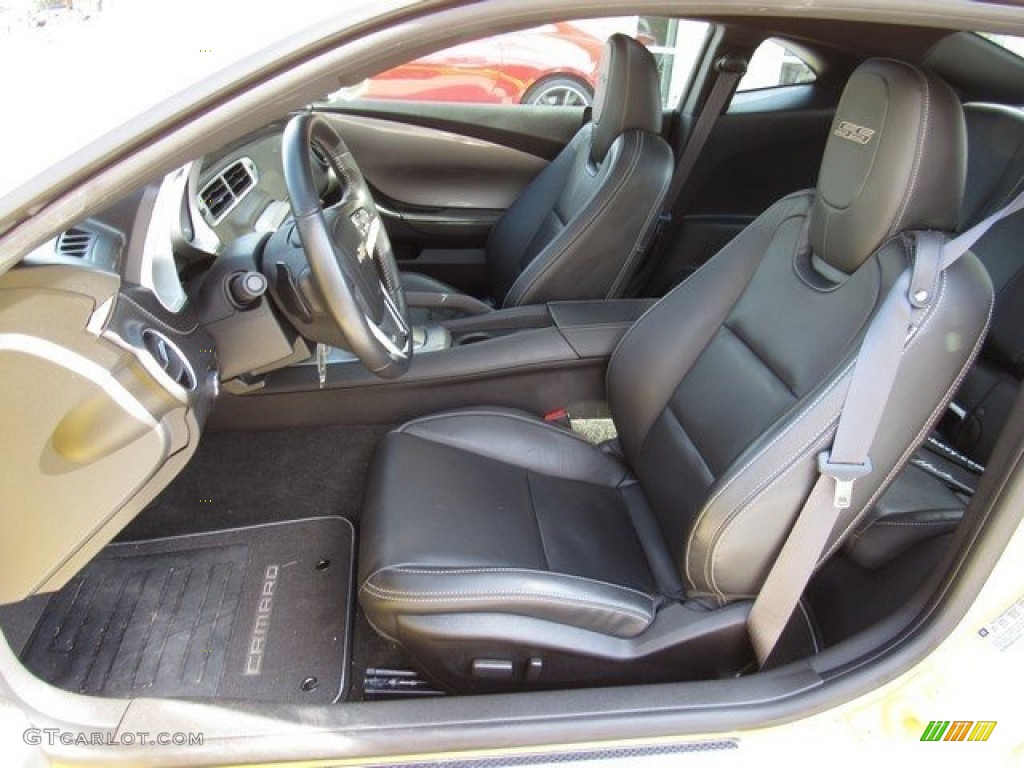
225 190
75 243
169 358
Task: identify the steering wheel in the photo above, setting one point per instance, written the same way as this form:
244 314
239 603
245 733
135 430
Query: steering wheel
353 270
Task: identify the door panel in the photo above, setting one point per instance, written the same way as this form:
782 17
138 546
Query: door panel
419 167
443 174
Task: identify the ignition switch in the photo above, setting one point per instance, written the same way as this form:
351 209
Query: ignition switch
246 288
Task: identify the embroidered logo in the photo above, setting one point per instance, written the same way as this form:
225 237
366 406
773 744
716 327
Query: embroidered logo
853 132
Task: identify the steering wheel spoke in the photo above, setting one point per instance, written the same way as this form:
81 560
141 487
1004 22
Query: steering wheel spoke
349 255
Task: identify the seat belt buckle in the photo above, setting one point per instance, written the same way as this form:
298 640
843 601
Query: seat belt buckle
844 475
559 417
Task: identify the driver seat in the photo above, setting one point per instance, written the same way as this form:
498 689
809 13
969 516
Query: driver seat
579 228
504 552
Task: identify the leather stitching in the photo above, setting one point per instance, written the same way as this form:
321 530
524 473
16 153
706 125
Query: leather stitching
536 522
705 510
928 522
582 441
810 625
511 596
711 568
759 358
711 563
442 571
638 250
775 221
915 335
494 414
939 410
585 228
918 152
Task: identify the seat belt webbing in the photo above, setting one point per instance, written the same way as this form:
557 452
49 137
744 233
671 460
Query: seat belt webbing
730 69
872 380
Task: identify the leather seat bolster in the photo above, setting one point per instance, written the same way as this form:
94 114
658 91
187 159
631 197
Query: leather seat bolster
572 600
596 252
525 442
728 539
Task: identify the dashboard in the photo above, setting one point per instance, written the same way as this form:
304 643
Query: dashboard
115 337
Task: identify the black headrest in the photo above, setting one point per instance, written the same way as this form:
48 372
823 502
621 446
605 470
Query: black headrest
627 96
895 161
995 160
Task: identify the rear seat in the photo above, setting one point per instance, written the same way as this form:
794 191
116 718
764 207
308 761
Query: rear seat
930 495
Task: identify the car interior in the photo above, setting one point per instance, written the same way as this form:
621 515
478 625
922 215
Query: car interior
391 400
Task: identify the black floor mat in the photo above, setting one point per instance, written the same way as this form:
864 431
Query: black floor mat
247 478
259 613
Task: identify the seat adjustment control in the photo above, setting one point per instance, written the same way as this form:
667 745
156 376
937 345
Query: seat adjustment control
500 669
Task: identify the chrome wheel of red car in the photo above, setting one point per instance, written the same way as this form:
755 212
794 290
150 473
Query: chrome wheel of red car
559 92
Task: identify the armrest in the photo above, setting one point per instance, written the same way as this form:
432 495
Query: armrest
594 328
458 302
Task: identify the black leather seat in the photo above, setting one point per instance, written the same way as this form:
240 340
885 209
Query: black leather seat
502 551
579 228
929 497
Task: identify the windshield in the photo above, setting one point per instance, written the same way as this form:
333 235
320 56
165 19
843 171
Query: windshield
75 69
1010 42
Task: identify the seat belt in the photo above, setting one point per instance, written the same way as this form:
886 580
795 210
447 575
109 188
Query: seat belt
873 377
730 69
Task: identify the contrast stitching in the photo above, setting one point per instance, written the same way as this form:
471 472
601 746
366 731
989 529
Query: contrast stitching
636 253
940 408
784 214
511 596
496 414
584 229
442 571
860 533
817 401
919 151
705 510
915 335
711 567
923 522
810 625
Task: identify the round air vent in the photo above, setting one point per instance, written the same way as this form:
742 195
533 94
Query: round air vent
170 359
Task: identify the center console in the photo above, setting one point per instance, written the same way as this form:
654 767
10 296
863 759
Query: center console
538 358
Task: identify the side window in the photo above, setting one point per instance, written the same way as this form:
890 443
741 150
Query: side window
551 65
774 65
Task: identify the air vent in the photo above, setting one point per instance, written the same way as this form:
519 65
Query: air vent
75 243
222 193
217 198
170 359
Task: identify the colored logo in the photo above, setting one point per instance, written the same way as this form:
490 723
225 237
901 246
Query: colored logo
958 730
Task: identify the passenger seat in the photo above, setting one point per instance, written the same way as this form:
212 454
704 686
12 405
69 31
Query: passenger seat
930 495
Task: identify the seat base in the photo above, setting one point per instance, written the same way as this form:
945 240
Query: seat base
488 653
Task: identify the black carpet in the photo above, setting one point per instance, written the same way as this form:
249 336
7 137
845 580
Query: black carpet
258 613
252 477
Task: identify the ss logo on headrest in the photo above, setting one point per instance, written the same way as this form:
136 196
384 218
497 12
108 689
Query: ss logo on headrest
853 132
